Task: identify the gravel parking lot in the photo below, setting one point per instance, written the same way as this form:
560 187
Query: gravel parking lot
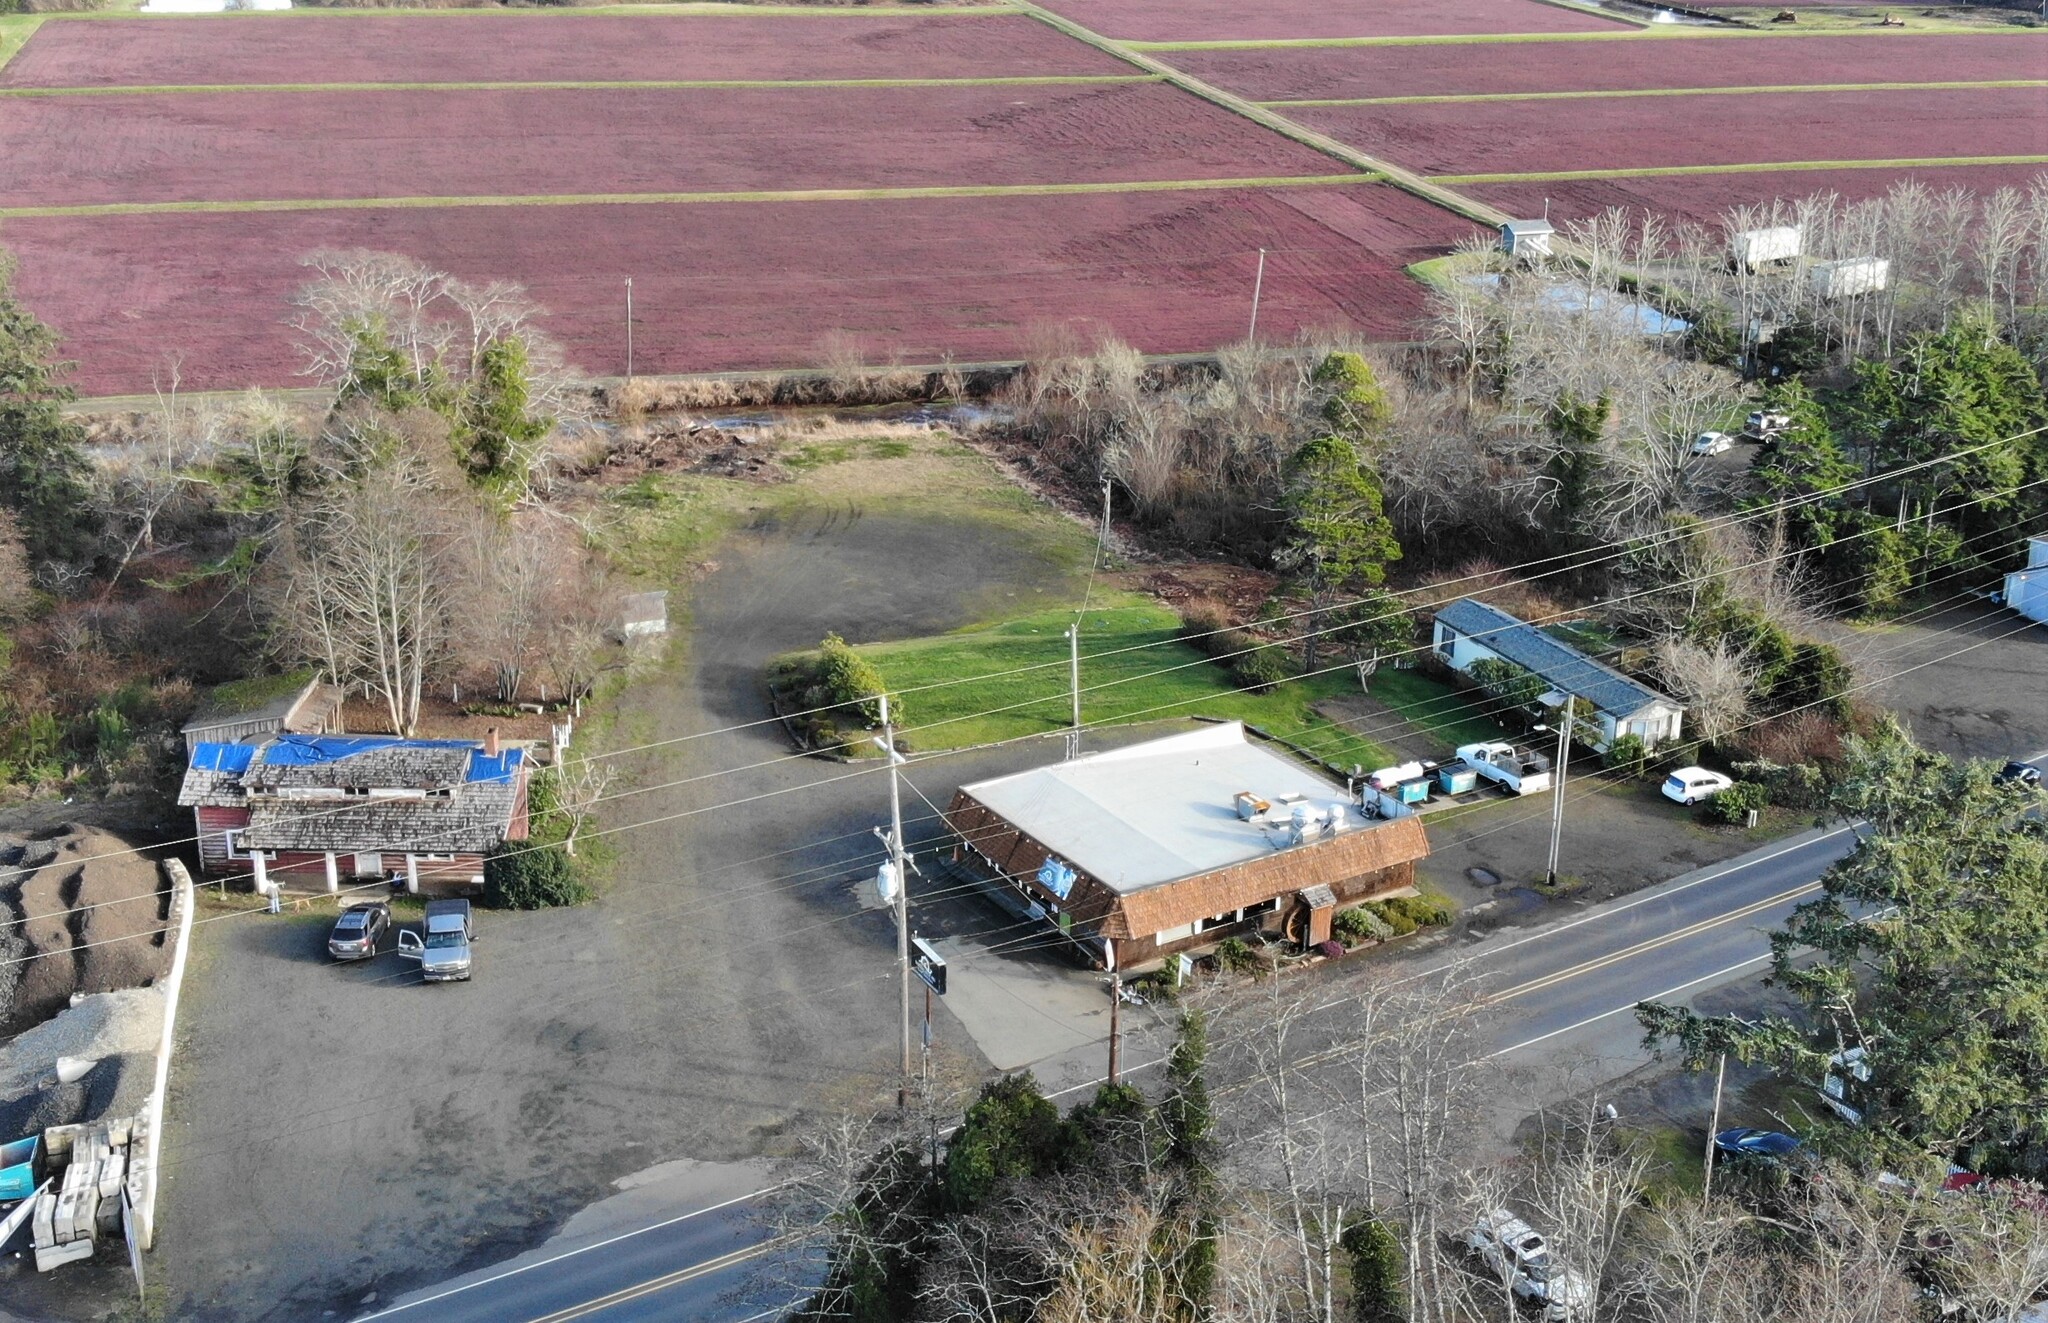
344 1130
1971 681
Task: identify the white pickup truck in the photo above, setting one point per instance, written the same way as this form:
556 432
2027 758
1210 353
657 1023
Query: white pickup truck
1518 770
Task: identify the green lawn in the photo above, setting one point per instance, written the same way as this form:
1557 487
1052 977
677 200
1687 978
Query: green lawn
1151 676
1447 712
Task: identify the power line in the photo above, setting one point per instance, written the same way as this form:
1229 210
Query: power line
1120 719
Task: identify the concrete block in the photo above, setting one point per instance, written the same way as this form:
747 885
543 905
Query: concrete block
43 1221
107 1220
111 1173
74 1215
54 1256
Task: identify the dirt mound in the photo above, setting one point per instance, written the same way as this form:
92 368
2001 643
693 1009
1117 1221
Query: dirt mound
79 912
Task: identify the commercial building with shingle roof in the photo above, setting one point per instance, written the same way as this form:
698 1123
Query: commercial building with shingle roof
1179 842
1469 631
356 805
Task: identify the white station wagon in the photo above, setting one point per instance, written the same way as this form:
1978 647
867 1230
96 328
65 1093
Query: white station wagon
1693 785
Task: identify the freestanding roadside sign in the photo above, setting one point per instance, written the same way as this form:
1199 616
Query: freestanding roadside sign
929 965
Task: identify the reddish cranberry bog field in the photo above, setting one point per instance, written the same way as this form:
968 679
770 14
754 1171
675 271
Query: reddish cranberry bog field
1511 68
469 46
755 284
1704 198
1463 138
964 214
250 145
1296 20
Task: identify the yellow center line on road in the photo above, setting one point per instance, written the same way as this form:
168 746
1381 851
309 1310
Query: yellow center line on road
1456 98
1597 963
1652 944
653 1285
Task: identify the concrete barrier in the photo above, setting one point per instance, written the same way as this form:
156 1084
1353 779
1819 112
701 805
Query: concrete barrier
146 1147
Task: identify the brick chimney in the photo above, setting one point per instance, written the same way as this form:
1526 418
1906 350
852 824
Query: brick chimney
491 742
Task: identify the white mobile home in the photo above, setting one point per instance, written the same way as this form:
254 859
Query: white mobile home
1469 631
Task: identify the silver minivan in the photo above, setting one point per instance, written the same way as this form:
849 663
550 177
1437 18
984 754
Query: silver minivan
444 951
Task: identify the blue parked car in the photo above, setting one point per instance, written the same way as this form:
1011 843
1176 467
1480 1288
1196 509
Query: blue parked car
1749 1142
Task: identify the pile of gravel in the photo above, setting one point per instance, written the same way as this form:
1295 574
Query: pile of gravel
106 1024
118 1086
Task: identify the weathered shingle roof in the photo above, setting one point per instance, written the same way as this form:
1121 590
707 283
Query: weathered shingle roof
1552 660
269 698
440 796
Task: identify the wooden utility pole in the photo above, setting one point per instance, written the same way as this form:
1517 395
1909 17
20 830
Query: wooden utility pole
1714 1128
1116 1003
1074 687
1258 288
902 896
629 330
1564 753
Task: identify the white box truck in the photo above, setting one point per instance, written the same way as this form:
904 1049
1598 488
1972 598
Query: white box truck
1751 249
1850 276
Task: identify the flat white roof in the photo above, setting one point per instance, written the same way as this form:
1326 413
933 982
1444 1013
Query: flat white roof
1153 812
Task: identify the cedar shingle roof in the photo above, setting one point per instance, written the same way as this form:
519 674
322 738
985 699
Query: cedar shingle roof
438 796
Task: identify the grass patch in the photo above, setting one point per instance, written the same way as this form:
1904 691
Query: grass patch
1450 714
679 85
15 30
1659 91
672 199
819 454
1148 675
1677 1165
1752 167
1434 272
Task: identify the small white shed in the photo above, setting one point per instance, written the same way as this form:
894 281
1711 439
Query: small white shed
1526 238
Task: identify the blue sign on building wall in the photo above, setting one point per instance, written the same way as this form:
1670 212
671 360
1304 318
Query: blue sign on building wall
1056 877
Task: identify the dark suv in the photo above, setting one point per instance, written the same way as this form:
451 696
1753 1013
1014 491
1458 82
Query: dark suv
358 930
2017 774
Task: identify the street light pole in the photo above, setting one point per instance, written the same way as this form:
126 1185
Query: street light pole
1564 753
902 896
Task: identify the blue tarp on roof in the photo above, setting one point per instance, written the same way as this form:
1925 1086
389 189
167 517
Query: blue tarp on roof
232 758
314 750
483 767
1556 663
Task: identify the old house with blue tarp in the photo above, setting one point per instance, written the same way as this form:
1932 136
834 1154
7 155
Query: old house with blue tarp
320 808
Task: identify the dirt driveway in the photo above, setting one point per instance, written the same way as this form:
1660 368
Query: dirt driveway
340 1131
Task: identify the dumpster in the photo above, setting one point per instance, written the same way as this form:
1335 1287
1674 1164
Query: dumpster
1414 791
1457 778
21 1167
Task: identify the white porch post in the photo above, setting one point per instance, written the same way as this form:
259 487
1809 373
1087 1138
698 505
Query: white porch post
333 875
262 873
412 875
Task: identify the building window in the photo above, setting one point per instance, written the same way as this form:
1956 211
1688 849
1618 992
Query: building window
234 840
1166 936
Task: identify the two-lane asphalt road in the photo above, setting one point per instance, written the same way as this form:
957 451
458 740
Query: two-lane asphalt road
702 1264
1569 987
